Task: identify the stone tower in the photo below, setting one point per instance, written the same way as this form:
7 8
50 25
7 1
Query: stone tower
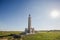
29 23
29 30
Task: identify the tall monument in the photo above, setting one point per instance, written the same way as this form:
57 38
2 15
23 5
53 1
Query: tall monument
29 24
29 30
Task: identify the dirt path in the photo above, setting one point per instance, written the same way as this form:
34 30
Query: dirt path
3 39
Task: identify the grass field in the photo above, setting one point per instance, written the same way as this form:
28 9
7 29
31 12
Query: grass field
9 32
43 36
37 36
5 33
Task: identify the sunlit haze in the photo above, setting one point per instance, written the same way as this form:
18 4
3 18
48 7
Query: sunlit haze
54 14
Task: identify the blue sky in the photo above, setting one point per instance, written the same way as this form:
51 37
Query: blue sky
14 14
